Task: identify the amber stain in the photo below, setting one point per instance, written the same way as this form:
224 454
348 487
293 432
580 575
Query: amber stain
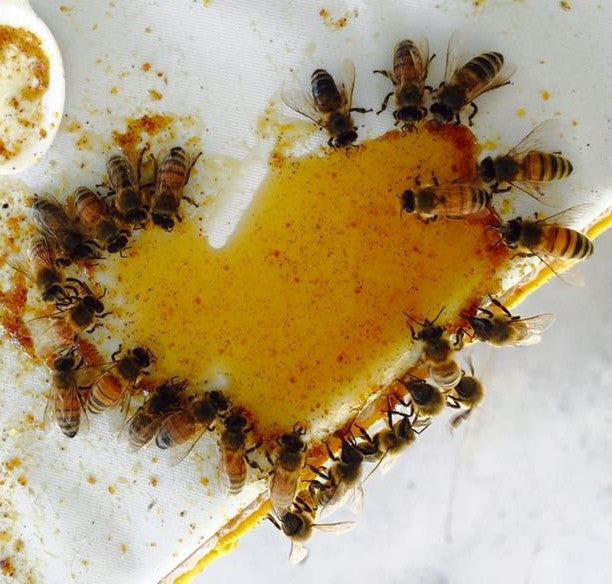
303 310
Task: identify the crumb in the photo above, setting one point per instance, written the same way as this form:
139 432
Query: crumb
155 95
520 112
545 95
565 5
91 479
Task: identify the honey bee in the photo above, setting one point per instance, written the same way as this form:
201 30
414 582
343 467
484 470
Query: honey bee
98 222
387 444
469 392
59 230
186 426
526 166
115 385
451 200
125 183
172 176
410 64
76 314
437 352
234 453
547 241
507 330
298 523
143 426
463 84
65 404
287 468
428 400
340 485
330 106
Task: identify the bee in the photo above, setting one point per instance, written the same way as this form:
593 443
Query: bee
410 64
65 404
287 468
463 84
98 221
451 200
53 222
77 314
437 352
298 523
330 106
125 183
507 330
428 400
115 385
186 426
143 426
545 240
469 392
387 444
526 166
340 485
43 269
234 453
172 176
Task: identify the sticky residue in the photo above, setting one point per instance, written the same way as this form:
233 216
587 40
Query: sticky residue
545 95
337 22
520 112
24 80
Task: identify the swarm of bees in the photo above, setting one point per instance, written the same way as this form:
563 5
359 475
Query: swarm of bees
174 418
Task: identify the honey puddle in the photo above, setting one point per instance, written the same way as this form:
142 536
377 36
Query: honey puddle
303 309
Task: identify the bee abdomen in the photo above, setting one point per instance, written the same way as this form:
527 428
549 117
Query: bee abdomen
543 166
568 244
105 394
324 91
484 67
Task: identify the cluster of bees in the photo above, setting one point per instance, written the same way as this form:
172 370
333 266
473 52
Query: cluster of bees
173 418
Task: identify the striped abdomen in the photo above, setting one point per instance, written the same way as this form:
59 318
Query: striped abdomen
544 166
142 429
325 92
408 66
67 411
106 393
446 374
176 429
460 200
477 73
233 469
566 243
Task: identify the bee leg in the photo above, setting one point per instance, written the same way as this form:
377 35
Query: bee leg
387 74
114 355
330 453
253 464
428 88
452 402
485 311
385 102
415 337
474 112
500 306
320 473
458 344
331 142
273 521
269 459
191 166
361 110
190 201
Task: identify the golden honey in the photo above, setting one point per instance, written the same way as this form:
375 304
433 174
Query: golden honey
303 311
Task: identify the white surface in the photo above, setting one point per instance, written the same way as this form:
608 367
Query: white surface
224 63
520 493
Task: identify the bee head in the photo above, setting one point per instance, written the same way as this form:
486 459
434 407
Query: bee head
345 139
350 454
420 391
467 387
486 169
117 244
292 442
511 231
235 422
52 293
292 523
409 114
143 356
430 332
219 400
164 222
135 216
64 363
408 201
93 304
441 112
204 411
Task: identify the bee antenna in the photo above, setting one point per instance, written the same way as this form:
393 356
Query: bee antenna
438 315
414 319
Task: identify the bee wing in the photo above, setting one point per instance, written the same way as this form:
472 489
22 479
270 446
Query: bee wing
49 413
337 528
282 488
151 428
303 103
452 57
500 79
298 552
542 138
533 327
178 453
344 496
387 462
347 83
52 229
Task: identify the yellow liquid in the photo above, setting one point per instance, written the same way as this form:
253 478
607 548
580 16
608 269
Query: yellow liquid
303 310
